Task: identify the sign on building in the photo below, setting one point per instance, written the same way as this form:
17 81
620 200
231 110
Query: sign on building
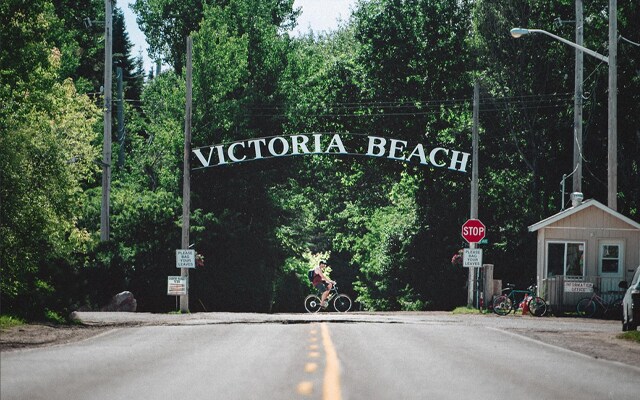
472 258
185 258
578 287
177 285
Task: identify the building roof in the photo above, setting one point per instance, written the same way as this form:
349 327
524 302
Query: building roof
585 204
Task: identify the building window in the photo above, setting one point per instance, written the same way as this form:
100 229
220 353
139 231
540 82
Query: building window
565 258
610 260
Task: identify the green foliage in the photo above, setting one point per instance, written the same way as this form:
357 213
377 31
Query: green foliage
382 251
465 310
7 321
54 317
166 25
633 336
400 69
47 159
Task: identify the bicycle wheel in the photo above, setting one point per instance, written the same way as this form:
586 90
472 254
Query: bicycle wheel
537 306
342 303
586 307
312 303
502 305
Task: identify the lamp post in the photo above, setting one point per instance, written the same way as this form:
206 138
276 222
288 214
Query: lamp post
612 137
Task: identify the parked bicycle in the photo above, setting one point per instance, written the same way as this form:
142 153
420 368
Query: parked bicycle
511 298
590 306
341 302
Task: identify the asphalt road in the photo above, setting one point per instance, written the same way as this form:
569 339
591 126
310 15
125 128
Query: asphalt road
427 358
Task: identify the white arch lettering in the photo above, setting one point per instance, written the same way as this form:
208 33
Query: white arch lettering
336 142
231 152
432 156
313 143
272 147
302 145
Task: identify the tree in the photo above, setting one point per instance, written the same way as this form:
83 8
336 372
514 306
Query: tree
168 23
47 159
133 74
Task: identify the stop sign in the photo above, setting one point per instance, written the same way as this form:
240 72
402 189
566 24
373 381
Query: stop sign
473 230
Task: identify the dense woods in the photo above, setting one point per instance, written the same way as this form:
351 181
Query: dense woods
397 68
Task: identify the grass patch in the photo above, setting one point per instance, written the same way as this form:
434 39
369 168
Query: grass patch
8 321
633 336
466 310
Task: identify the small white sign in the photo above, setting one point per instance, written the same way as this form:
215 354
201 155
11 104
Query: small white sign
578 287
185 258
177 285
472 258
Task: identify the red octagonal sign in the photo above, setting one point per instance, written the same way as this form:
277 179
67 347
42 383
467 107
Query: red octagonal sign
473 230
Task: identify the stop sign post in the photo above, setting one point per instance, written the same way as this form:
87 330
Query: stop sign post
473 230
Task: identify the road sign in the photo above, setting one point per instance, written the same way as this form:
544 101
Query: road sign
472 258
473 230
177 285
185 258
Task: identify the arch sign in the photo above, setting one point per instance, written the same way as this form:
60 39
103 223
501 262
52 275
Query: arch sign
329 143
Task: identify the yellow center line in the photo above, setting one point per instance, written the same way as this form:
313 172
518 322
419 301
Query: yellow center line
331 386
305 388
310 367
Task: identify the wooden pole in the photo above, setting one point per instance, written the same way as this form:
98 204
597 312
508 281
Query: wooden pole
186 183
577 101
106 144
612 147
474 183
120 116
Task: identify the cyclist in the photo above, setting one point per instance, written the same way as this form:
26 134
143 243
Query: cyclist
322 283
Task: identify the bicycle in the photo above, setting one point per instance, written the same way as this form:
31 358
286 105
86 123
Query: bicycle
341 301
588 306
506 302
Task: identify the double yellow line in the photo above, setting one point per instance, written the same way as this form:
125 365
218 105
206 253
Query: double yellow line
331 383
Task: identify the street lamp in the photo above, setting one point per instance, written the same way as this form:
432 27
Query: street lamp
612 164
518 32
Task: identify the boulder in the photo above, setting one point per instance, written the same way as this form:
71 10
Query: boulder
123 301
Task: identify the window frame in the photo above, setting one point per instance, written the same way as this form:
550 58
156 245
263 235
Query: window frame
564 264
611 242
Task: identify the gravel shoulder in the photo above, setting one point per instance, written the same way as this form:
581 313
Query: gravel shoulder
602 345
599 341
42 335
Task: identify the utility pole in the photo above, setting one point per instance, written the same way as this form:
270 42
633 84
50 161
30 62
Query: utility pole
577 102
106 145
186 183
612 139
120 115
474 182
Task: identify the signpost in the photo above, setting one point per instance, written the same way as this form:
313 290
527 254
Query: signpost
473 230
